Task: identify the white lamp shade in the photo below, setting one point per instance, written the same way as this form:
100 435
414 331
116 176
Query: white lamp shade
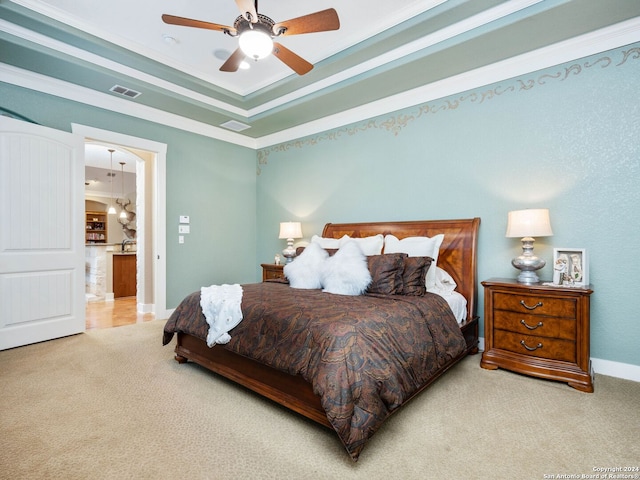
256 44
290 230
529 223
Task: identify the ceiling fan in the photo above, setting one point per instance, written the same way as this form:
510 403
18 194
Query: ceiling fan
256 32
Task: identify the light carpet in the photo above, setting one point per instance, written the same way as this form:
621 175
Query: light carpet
114 404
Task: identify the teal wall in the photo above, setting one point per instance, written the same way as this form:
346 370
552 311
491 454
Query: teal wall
212 181
566 138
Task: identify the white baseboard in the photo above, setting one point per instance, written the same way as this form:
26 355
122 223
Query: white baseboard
145 307
616 369
625 371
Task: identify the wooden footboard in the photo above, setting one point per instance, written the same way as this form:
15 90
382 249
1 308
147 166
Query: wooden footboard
291 391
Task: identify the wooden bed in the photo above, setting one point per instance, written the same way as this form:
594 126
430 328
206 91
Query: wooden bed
458 255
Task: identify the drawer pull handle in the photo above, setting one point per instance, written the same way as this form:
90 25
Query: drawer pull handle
531 349
529 326
539 304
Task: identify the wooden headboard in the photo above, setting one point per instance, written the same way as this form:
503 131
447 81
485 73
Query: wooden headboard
458 252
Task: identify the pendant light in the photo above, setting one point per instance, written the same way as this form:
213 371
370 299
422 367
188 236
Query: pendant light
123 213
112 209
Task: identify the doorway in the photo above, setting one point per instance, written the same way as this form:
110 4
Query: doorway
151 182
120 312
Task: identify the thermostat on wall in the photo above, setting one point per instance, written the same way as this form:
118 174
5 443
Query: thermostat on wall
184 218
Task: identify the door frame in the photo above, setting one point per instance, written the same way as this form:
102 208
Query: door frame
159 206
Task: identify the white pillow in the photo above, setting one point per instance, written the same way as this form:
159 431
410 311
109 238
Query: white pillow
326 242
417 247
445 283
369 245
347 272
306 270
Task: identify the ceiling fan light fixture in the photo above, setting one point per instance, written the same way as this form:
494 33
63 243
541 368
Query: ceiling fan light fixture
256 43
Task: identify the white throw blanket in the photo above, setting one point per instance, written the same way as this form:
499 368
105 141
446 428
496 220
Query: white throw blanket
221 307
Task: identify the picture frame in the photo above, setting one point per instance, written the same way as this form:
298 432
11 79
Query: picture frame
570 267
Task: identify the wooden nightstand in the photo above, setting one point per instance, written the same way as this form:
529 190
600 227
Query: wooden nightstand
271 271
538 330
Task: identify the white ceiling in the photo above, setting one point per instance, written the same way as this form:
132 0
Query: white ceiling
99 163
137 26
97 155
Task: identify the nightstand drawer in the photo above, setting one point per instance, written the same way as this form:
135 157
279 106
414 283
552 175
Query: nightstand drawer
271 271
538 325
534 304
532 345
274 275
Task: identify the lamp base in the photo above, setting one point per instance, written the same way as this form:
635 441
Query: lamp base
528 263
528 277
289 253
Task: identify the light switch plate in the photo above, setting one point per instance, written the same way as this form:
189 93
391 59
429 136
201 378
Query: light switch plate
180 239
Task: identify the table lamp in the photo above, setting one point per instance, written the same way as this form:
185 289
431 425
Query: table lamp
528 224
290 230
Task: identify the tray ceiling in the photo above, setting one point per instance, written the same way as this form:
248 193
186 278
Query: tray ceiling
382 51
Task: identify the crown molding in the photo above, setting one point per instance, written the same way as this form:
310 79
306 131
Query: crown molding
459 28
608 38
42 40
44 84
599 41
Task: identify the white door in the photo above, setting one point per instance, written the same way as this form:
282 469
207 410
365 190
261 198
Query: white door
41 233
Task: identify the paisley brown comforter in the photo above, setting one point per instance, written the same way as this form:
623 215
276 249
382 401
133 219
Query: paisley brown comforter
363 355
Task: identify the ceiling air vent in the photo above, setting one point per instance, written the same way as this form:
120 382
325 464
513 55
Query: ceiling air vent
235 126
127 92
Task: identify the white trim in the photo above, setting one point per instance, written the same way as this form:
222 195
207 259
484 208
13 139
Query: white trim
147 308
427 41
39 39
615 36
625 371
110 102
464 26
608 38
159 249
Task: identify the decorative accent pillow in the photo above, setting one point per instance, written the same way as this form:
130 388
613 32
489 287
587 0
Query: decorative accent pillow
346 273
386 273
306 270
370 245
414 275
417 247
326 242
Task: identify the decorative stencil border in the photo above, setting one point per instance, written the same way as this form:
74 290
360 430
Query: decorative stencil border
395 124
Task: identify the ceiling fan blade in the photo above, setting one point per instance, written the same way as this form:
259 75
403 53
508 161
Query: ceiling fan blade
248 10
292 60
233 62
189 22
321 21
